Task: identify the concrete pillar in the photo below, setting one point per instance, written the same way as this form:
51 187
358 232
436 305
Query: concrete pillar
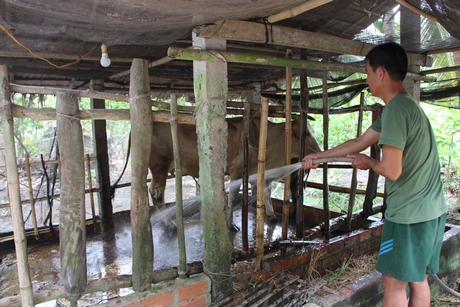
211 87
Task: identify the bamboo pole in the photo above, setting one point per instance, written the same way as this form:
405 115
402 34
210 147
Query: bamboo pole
261 184
288 146
141 140
245 179
90 188
31 197
354 175
178 180
327 213
72 233
258 59
20 241
297 10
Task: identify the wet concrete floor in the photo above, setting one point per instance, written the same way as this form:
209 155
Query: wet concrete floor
113 257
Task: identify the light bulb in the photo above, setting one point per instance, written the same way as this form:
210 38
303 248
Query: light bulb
105 60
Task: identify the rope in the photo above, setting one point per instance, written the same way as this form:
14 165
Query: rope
137 97
212 275
40 57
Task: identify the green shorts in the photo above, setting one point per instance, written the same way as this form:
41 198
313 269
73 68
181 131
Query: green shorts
410 251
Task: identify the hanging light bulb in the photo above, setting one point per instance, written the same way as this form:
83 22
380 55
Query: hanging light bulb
105 61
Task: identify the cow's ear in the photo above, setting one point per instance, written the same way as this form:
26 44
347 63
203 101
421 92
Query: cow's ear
310 118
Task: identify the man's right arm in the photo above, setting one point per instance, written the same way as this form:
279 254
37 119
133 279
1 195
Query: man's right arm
352 146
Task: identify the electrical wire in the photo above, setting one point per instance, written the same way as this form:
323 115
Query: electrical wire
40 57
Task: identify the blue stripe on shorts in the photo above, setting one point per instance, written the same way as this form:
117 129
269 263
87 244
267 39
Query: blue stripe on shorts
386 247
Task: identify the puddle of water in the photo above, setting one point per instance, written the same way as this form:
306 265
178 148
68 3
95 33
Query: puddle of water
113 257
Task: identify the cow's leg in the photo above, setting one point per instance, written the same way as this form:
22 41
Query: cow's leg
156 190
232 195
269 211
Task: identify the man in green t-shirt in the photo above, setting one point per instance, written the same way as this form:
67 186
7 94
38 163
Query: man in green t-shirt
416 208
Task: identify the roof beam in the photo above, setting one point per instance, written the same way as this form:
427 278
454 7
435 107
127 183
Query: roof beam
252 32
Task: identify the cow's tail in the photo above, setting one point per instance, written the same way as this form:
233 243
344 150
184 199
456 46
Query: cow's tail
114 185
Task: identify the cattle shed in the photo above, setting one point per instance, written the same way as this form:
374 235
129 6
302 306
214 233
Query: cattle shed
230 59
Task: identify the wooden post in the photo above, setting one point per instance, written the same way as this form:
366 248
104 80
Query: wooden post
91 195
373 179
245 179
261 184
354 175
327 213
72 232
298 186
102 164
141 143
178 179
14 195
288 146
210 83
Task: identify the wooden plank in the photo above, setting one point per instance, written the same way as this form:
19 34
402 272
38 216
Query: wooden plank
246 31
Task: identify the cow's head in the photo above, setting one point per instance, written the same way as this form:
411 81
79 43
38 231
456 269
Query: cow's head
310 141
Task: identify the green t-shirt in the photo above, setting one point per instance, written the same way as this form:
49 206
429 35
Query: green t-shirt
417 195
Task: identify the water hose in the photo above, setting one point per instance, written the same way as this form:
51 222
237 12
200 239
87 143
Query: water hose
444 286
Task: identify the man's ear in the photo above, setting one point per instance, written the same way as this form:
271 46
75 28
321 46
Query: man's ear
381 72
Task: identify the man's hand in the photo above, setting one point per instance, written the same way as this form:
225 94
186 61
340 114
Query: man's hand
361 161
307 162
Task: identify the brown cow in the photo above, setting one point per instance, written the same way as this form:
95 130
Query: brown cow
162 157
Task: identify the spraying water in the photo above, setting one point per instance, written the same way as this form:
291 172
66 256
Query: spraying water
192 205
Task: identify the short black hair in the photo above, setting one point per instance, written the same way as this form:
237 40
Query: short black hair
392 57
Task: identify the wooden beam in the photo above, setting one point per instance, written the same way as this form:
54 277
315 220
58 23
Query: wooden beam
245 31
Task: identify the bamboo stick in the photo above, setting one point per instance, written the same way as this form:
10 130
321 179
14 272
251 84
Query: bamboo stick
288 146
258 59
178 180
141 139
245 179
20 241
31 197
261 184
297 10
90 188
327 213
